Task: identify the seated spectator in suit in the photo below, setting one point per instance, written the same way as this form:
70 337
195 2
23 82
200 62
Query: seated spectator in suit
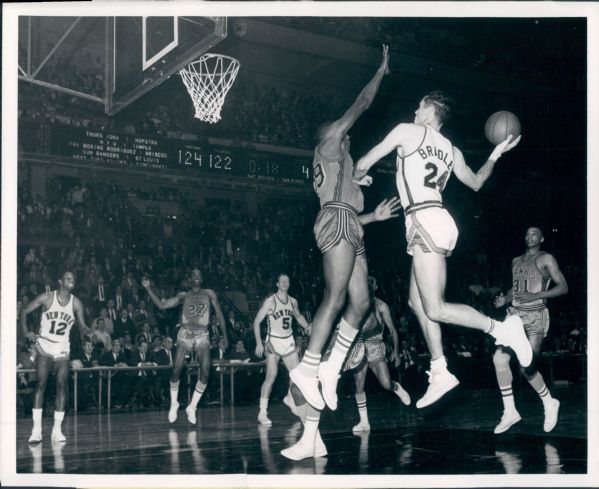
123 324
144 334
120 299
86 381
141 315
111 310
127 346
99 294
108 323
120 384
245 379
101 337
144 385
156 346
164 357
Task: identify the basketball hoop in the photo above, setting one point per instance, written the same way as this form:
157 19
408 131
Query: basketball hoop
208 80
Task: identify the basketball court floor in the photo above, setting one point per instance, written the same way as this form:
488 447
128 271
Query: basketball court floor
455 436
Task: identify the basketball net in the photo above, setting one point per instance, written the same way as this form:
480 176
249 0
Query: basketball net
208 80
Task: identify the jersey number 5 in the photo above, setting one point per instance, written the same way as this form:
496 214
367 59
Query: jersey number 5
286 323
431 180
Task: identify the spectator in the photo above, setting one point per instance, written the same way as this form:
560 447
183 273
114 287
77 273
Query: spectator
108 324
86 380
100 337
120 382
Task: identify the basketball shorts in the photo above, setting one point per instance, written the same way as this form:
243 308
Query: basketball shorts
57 350
337 221
535 322
280 346
193 339
432 229
373 351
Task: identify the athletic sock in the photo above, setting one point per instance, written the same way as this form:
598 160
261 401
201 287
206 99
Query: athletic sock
309 364
507 396
58 417
345 337
174 391
263 404
197 393
37 418
439 364
538 384
491 326
362 409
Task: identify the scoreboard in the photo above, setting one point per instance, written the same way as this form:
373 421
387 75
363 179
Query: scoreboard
161 153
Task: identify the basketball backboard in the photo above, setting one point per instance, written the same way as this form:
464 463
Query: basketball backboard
118 59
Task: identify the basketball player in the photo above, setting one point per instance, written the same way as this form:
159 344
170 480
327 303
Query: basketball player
60 309
280 309
339 236
193 336
369 351
531 275
425 161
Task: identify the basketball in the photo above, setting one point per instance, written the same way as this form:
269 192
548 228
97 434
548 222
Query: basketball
500 125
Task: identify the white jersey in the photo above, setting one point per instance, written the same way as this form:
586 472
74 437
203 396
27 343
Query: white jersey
279 320
56 322
422 175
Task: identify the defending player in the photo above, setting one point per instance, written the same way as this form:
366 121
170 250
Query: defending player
531 276
280 309
60 309
425 161
193 336
339 236
369 351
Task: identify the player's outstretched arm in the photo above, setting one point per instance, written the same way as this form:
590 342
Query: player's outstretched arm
80 316
265 308
41 299
161 304
338 129
387 209
224 342
392 141
476 180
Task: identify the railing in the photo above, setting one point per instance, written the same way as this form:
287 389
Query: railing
221 366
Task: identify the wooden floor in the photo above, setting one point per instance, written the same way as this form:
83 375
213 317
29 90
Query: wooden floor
455 436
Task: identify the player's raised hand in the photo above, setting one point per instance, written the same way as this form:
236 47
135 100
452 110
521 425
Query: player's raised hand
385 61
506 145
259 350
387 209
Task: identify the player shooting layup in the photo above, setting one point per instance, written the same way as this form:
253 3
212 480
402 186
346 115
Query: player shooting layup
60 309
531 275
425 161
280 309
193 336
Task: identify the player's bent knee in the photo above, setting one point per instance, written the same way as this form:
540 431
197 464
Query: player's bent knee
501 359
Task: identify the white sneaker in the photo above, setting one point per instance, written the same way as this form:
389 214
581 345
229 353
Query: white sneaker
440 383
263 419
508 419
361 426
57 436
551 414
299 451
308 386
403 395
36 436
320 450
172 412
191 414
328 381
511 333
290 403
